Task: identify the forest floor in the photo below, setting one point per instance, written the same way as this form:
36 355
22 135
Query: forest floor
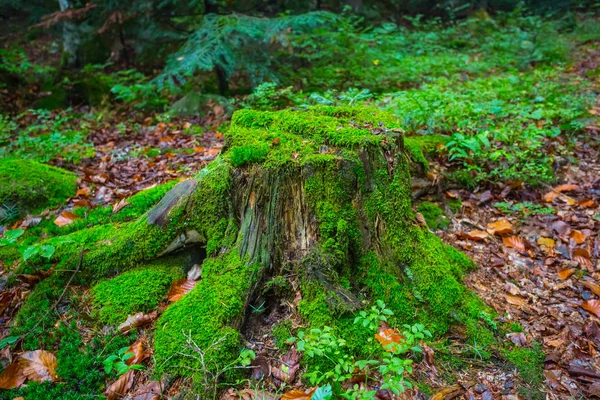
537 249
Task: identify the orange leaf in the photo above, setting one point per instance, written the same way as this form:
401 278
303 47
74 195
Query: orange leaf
39 365
477 235
548 242
577 236
566 273
592 306
448 393
588 203
514 242
12 377
594 287
500 227
568 187
139 355
65 218
515 300
387 338
298 395
549 197
180 288
121 386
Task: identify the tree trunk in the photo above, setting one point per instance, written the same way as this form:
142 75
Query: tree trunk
71 37
320 197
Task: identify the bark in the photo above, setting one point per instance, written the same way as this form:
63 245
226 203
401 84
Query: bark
71 37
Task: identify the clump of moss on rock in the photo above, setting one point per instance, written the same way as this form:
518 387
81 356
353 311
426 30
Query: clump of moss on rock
434 215
31 187
138 290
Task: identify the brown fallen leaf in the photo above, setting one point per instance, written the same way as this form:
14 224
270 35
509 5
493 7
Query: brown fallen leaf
39 365
121 386
150 391
515 300
500 227
448 393
139 354
550 197
514 242
561 227
566 273
137 320
577 236
66 218
298 395
179 288
12 377
582 256
594 287
477 235
592 306
119 206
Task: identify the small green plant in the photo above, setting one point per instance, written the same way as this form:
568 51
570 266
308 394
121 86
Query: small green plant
525 209
44 250
388 365
10 237
117 362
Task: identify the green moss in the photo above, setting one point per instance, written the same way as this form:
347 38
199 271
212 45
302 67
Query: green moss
419 147
434 215
281 332
254 153
206 314
32 186
529 361
455 205
462 178
138 290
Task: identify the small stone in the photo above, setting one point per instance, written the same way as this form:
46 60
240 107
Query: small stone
195 273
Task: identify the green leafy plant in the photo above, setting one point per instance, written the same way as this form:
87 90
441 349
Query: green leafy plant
117 362
388 366
10 237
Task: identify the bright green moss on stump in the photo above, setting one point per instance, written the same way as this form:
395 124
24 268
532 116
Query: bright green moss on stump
32 187
434 215
138 290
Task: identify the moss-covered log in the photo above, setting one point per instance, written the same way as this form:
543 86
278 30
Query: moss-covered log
324 194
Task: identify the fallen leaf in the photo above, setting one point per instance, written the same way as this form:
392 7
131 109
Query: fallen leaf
388 338
12 377
500 227
548 242
592 306
121 386
448 393
66 218
515 300
549 197
594 287
137 320
582 257
38 365
518 338
119 206
514 242
566 273
180 288
561 227
477 235
298 395
568 187
150 391
577 236
139 354
588 203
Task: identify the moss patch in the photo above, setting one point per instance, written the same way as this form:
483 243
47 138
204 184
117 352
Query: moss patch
434 215
529 361
140 289
32 187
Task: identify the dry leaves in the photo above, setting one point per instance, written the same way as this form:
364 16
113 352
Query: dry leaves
566 273
137 320
139 354
594 287
39 365
12 377
592 306
582 256
477 235
180 288
66 218
500 227
121 386
448 393
515 300
514 242
298 395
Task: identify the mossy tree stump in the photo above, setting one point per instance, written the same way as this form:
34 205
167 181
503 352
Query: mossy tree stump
322 193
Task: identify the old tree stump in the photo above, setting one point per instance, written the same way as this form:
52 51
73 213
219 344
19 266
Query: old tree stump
320 197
